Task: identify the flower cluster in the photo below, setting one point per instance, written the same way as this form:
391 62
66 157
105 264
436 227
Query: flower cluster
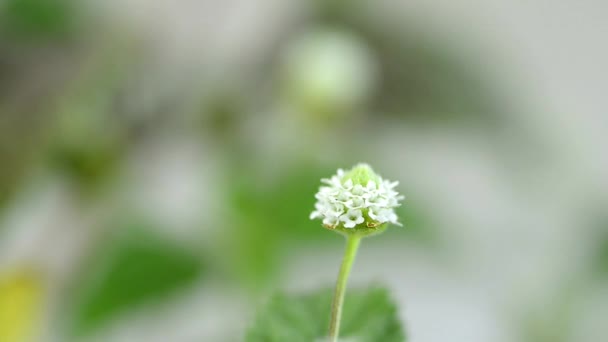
357 198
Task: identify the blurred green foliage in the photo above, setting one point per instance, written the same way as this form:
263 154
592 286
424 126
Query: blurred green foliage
599 224
602 257
553 322
90 133
267 214
135 267
87 143
369 315
34 19
16 154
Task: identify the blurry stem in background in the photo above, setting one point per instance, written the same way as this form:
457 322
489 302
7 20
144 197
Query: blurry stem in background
352 244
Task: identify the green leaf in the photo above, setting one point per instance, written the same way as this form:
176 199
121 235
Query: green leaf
134 268
369 316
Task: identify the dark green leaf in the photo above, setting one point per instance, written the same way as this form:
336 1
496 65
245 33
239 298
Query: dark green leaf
369 316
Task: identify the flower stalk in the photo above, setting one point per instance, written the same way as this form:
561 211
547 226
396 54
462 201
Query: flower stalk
352 245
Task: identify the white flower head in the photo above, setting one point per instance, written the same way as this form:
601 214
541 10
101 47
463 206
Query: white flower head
357 199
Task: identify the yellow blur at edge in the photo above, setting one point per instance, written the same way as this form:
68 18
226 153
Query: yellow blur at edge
20 304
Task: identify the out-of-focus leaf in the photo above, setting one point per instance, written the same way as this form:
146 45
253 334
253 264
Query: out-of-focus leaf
598 224
266 215
38 18
77 148
20 304
286 199
136 268
554 320
369 316
602 257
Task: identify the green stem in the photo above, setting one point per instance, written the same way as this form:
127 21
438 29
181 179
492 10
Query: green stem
352 244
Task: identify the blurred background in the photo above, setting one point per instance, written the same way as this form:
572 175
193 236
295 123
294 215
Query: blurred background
158 162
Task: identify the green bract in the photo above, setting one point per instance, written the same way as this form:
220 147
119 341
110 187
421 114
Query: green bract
361 174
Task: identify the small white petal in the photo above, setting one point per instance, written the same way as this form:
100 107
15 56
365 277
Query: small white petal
358 190
392 202
372 213
355 203
371 185
390 185
335 209
330 221
344 196
349 224
348 184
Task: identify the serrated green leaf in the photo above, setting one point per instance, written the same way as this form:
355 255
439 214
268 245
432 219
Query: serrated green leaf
369 316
